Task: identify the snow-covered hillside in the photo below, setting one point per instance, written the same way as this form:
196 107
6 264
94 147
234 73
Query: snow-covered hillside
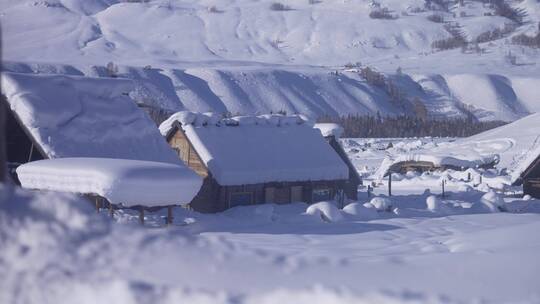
242 56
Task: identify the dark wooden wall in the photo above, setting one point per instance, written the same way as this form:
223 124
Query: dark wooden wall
531 186
187 153
351 186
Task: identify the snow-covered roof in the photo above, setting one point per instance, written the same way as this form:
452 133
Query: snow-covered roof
451 159
517 143
259 149
330 129
72 116
126 182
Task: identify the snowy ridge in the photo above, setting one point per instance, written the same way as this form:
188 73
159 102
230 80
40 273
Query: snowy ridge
314 92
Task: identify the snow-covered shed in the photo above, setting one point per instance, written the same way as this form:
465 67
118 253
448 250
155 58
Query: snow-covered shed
256 159
421 162
125 183
527 173
56 116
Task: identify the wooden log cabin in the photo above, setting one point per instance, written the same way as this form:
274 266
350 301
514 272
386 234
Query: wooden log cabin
531 178
254 160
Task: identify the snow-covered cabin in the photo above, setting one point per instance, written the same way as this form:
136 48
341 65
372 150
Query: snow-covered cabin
56 116
257 159
527 173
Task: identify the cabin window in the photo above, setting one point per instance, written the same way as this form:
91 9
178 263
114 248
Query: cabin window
321 194
240 199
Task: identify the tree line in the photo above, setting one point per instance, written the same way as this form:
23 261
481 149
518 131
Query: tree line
407 126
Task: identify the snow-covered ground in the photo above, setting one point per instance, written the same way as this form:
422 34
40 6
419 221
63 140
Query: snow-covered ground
56 249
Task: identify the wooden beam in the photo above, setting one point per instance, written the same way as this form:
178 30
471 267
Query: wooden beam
3 160
141 216
169 215
390 184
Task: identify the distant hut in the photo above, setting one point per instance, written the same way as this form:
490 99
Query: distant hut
252 160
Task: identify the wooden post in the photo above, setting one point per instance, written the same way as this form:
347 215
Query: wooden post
111 210
442 184
368 191
390 184
169 215
141 216
469 177
480 178
98 205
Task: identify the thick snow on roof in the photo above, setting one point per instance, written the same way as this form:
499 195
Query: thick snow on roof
516 145
330 129
258 149
438 159
126 182
84 117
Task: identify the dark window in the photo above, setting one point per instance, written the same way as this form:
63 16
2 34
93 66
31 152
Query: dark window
240 199
321 194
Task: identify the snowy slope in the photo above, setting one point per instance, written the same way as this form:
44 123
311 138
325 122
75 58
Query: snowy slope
243 57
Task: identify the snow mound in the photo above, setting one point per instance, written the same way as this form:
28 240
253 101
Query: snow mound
434 204
124 182
493 201
381 203
327 211
360 211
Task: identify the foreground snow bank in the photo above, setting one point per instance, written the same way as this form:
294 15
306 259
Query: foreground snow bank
125 182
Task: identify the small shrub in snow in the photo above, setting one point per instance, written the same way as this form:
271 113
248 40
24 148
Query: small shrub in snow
383 13
276 6
361 211
494 202
438 18
382 204
213 9
327 211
